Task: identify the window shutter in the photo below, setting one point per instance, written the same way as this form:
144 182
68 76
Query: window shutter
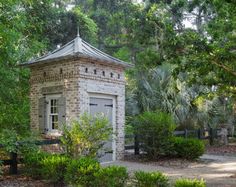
61 111
42 112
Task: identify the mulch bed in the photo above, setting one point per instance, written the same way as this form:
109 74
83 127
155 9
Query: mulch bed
21 181
228 150
176 163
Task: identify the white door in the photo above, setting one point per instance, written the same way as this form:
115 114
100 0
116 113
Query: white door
104 106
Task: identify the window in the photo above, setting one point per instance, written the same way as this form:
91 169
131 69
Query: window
53 115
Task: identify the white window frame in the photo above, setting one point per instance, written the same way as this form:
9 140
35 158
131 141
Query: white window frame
51 131
113 98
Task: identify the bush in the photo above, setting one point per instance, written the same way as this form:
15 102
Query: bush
9 139
53 167
112 176
156 130
188 148
46 166
82 172
33 163
190 183
86 136
152 179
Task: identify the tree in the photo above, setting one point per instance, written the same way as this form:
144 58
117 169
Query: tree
29 29
210 53
17 44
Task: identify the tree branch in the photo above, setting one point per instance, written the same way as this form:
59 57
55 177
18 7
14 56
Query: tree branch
226 68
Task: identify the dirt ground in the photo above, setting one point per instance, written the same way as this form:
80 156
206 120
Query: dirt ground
217 171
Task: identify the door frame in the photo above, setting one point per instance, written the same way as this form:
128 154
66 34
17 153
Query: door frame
113 98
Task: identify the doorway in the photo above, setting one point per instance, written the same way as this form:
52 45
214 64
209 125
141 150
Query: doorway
106 107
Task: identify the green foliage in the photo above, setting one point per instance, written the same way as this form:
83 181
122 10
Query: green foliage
45 165
155 130
112 176
33 163
87 26
13 142
53 167
157 89
151 179
18 43
123 54
8 139
188 148
190 183
82 172
29 29
86 136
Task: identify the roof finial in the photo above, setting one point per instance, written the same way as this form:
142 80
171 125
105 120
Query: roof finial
78 35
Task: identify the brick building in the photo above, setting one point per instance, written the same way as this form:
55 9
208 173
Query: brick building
74 79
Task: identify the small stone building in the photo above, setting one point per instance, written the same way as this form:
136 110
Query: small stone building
74 79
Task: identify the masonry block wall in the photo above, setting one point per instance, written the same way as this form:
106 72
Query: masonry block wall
76 80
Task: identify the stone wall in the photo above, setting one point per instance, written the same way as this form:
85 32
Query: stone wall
58 74
78 79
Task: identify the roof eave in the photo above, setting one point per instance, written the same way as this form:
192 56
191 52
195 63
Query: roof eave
75 56
120 63
40 62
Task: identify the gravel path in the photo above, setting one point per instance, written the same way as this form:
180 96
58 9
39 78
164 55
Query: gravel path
218 171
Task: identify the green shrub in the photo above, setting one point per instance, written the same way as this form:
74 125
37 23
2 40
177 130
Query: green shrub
150 179
190 183
33 163
86 136
9 139
82 172
155 130
53 167
112 176
188 148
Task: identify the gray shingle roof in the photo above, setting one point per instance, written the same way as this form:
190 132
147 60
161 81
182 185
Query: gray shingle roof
77 48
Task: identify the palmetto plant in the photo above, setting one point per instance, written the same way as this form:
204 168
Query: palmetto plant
215 112
157 89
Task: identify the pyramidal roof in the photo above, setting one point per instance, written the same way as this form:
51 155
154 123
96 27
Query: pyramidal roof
77 48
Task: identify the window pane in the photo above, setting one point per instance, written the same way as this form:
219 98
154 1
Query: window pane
55 102
54 121
51 102
56 109
54 106
53 114
56 125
